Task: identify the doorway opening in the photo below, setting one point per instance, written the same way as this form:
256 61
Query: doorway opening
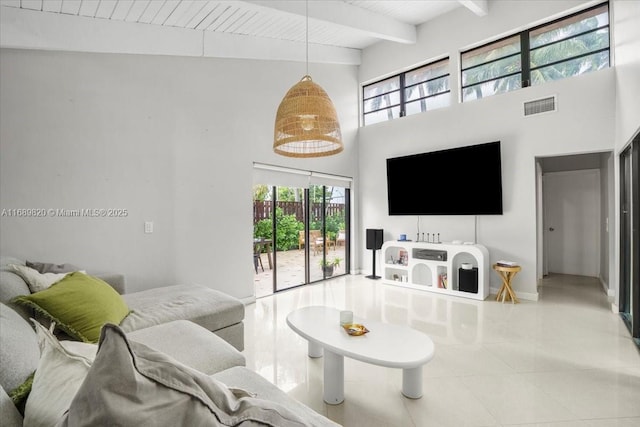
575 213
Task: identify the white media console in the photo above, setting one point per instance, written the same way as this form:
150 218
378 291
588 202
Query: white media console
437 267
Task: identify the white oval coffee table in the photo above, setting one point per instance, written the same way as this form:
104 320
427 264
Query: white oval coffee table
392 346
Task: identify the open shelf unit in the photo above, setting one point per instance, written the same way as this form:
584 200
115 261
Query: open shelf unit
403 266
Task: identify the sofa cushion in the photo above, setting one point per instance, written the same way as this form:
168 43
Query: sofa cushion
58 377
35 280
79 304
47 267
11 286
116 280
19 351
208 308
8 413
233 334
179 338
252 382
153 389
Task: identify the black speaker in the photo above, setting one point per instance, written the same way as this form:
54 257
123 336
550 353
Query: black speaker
374 238
374 241
468 280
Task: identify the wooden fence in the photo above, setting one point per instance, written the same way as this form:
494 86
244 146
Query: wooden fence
263 209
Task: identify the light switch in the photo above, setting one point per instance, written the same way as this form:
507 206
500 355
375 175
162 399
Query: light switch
148 226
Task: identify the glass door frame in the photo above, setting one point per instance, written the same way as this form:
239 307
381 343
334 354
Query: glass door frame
347 225
307 246
274 233
629 287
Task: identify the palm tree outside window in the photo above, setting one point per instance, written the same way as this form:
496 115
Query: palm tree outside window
421 89
569 46
566 47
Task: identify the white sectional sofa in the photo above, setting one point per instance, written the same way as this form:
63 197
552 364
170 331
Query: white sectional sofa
186 364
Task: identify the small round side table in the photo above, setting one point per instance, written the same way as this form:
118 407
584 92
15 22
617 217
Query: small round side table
506 274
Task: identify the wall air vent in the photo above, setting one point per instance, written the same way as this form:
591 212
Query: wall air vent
542 105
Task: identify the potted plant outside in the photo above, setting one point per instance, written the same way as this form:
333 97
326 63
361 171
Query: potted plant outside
329 265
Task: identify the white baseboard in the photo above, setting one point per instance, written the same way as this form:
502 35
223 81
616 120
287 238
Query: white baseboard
611 293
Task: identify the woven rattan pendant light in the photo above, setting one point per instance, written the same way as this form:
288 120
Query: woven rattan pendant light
306 123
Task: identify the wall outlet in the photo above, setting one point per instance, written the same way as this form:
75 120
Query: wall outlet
148 226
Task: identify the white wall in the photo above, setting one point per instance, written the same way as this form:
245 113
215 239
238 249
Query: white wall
607 232
583 123
626 37
170 139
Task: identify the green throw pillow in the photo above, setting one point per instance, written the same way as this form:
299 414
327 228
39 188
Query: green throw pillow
79 304
21 393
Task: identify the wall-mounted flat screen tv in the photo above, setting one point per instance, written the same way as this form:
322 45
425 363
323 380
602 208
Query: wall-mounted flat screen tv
458 181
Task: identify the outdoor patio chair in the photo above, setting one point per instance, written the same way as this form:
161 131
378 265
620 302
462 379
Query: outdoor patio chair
257 260
317 241
300 239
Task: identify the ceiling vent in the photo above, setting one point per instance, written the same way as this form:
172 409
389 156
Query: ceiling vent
542 105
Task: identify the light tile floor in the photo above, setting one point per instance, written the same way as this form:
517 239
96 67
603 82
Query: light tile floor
564 361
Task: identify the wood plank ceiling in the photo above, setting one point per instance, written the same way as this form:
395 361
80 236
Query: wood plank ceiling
335 27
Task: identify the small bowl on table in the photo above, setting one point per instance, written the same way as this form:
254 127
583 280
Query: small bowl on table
355 329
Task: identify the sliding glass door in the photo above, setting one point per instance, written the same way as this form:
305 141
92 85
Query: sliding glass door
289 231
629 238
300 231
278 238
328 225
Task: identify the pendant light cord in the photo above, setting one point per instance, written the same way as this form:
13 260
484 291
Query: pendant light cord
307 33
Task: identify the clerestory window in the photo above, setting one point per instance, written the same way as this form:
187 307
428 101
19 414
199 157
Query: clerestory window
416 91
566 47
